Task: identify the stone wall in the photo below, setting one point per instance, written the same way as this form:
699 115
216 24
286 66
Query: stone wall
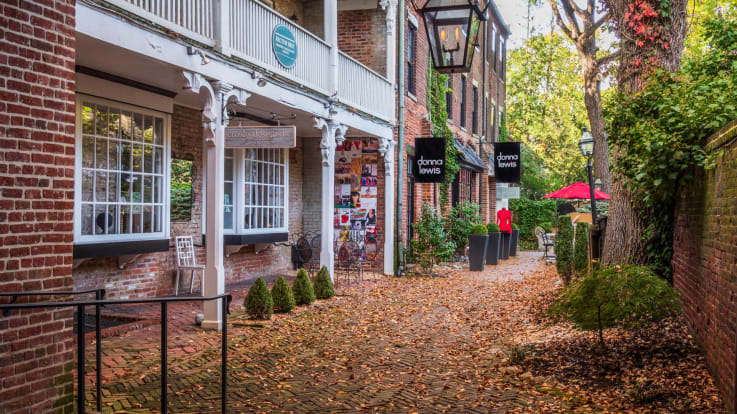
705 259
37 52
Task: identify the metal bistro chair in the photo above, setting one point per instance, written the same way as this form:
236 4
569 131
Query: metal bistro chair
313 265
304 251
186 260
371 253
349 261
546 242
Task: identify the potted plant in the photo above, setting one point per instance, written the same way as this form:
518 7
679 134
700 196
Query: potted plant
492 247
514 240
477 241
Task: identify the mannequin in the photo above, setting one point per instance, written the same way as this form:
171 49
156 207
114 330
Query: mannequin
504 220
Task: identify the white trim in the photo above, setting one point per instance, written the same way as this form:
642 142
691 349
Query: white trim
117 92
166 176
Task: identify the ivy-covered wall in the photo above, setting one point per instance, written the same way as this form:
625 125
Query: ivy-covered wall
705 259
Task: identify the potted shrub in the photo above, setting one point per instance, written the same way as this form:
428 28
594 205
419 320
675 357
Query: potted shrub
506 238
492 247
514 240
477 241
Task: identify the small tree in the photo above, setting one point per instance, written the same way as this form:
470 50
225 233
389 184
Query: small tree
430 237
627 296
282 295
258 302
581 250
459 222
304 292
564 249
323 285
492 228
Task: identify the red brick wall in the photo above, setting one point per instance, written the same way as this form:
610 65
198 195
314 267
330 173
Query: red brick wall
362 36
705 260
37 52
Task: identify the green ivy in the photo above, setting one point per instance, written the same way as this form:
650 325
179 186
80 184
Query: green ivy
431 237
662 131
503 133
439 116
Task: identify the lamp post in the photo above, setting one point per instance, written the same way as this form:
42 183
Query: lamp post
452 28
587 150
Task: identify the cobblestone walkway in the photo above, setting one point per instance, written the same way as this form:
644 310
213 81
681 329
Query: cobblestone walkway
394 345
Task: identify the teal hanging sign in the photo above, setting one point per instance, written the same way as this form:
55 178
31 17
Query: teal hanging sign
284 45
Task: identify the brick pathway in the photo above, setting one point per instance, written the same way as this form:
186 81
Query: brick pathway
395 345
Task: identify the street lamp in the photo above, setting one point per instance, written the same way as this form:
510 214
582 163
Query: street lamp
452 28
587 150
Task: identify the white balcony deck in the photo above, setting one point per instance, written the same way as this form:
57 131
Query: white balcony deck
249 38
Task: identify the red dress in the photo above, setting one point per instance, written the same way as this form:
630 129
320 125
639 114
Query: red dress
504 220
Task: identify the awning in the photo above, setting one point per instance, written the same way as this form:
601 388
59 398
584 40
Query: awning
469 159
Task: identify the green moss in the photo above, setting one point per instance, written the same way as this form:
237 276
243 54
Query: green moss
282 295
304 292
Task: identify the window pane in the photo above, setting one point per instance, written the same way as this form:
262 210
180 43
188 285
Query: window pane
113 123
111 215
101 121
147 219
136 218
125 219
137 127
100 186
113 155
157 218
148 158
101 153
88 152
100 219
125 125
125 157
148 193
86 219
148 129
159 190
137 158
88 118
112 187
87 183
137 184
125 188
228 169
159 132
158 160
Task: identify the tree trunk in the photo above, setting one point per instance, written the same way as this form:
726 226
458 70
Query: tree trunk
624 235
592 99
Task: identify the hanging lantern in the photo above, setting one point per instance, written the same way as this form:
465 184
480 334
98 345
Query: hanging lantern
452 28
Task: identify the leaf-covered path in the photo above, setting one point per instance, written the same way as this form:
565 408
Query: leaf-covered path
393 345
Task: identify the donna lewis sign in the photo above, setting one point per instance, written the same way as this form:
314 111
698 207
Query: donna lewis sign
507 162
261 137
429 164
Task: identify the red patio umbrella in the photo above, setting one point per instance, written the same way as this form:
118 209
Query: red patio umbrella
577 191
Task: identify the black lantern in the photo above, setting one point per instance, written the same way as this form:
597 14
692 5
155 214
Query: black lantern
452 28
586 144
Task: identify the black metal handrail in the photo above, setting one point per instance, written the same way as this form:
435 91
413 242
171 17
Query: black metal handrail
98 302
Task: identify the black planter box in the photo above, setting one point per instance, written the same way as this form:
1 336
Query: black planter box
492 248
513 243
504 249
477 251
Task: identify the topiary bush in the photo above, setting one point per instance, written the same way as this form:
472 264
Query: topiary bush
458 223
323 285
259 303
282 295
564 249
581 250
492 228
627 296
304 292
479 230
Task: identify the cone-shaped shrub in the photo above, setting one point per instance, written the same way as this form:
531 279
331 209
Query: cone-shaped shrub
581 250
304 293
282 295
564 249
323 285
259 303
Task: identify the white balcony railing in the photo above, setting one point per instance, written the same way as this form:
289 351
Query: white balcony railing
251 25
193 18
364 89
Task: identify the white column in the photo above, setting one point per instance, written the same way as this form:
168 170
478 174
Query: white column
214 121
386 148
330 24
332 135
221 25
390 6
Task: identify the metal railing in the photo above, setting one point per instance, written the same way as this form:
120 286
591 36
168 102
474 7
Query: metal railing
364 89
194 18
251 27
97 303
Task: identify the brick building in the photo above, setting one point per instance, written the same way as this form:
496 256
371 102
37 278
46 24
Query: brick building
104 103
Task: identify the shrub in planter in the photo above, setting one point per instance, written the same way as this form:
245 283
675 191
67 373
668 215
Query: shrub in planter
323 285
431 237
282 295
564 249
477 243
627 296
258 302
514 240
492 247
581 250
459 221
304 292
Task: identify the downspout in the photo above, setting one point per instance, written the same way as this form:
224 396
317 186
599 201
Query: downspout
484 116
400 135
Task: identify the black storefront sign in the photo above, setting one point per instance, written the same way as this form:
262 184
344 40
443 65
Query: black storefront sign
429 164
507 162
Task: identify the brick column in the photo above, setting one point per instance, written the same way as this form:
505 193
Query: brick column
37 83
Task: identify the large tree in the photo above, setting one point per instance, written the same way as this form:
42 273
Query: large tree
580 24
651 36
545 109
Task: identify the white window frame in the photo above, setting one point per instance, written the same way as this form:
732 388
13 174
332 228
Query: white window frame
239 196
80 99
